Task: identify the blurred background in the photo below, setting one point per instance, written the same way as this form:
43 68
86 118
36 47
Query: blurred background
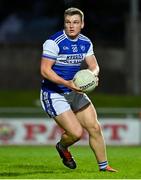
114 26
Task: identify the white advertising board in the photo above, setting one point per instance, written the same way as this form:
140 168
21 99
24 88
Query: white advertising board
42 131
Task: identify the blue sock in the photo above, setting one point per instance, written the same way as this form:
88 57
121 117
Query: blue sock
103 165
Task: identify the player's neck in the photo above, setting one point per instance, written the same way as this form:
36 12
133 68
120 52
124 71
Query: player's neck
74 38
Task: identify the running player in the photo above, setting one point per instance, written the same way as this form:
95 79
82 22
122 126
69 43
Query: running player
63 54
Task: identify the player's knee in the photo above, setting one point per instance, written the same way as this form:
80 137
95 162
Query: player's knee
77 134
95 129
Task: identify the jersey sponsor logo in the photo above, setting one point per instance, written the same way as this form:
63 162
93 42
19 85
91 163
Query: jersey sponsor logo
75 56
76 61
71 59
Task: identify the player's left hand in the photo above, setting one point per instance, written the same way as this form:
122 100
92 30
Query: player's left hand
95 73
97 80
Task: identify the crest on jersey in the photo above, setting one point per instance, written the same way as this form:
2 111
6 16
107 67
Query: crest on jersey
82 47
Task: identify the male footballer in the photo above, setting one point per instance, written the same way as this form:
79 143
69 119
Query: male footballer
63 54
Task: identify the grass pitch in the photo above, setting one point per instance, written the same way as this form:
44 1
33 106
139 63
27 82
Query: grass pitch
28 98
43 162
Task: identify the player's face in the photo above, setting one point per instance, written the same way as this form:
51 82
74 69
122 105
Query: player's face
73 25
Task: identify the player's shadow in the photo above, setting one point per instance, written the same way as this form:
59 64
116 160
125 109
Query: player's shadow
31 169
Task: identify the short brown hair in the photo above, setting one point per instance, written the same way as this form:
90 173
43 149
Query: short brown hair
73 11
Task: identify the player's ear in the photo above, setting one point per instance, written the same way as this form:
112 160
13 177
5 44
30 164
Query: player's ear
82 25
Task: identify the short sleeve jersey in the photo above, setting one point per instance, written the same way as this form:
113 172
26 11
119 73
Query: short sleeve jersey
68 55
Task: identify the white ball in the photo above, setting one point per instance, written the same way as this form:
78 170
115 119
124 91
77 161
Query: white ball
85 80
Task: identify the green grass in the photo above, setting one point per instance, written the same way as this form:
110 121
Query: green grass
111 100
18 98
43 162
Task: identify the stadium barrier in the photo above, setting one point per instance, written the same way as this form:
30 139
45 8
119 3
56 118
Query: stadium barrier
43 131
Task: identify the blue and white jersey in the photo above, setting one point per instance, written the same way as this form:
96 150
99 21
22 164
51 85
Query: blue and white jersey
68 55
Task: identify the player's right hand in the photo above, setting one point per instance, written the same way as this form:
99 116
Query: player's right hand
71 85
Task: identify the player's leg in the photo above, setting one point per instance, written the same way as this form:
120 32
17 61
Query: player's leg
69 123
58 108
88 119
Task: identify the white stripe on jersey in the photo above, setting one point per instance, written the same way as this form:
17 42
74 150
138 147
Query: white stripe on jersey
81 36
59 38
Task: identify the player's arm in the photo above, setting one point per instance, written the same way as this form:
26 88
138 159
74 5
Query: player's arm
92 64
91 60
48 73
